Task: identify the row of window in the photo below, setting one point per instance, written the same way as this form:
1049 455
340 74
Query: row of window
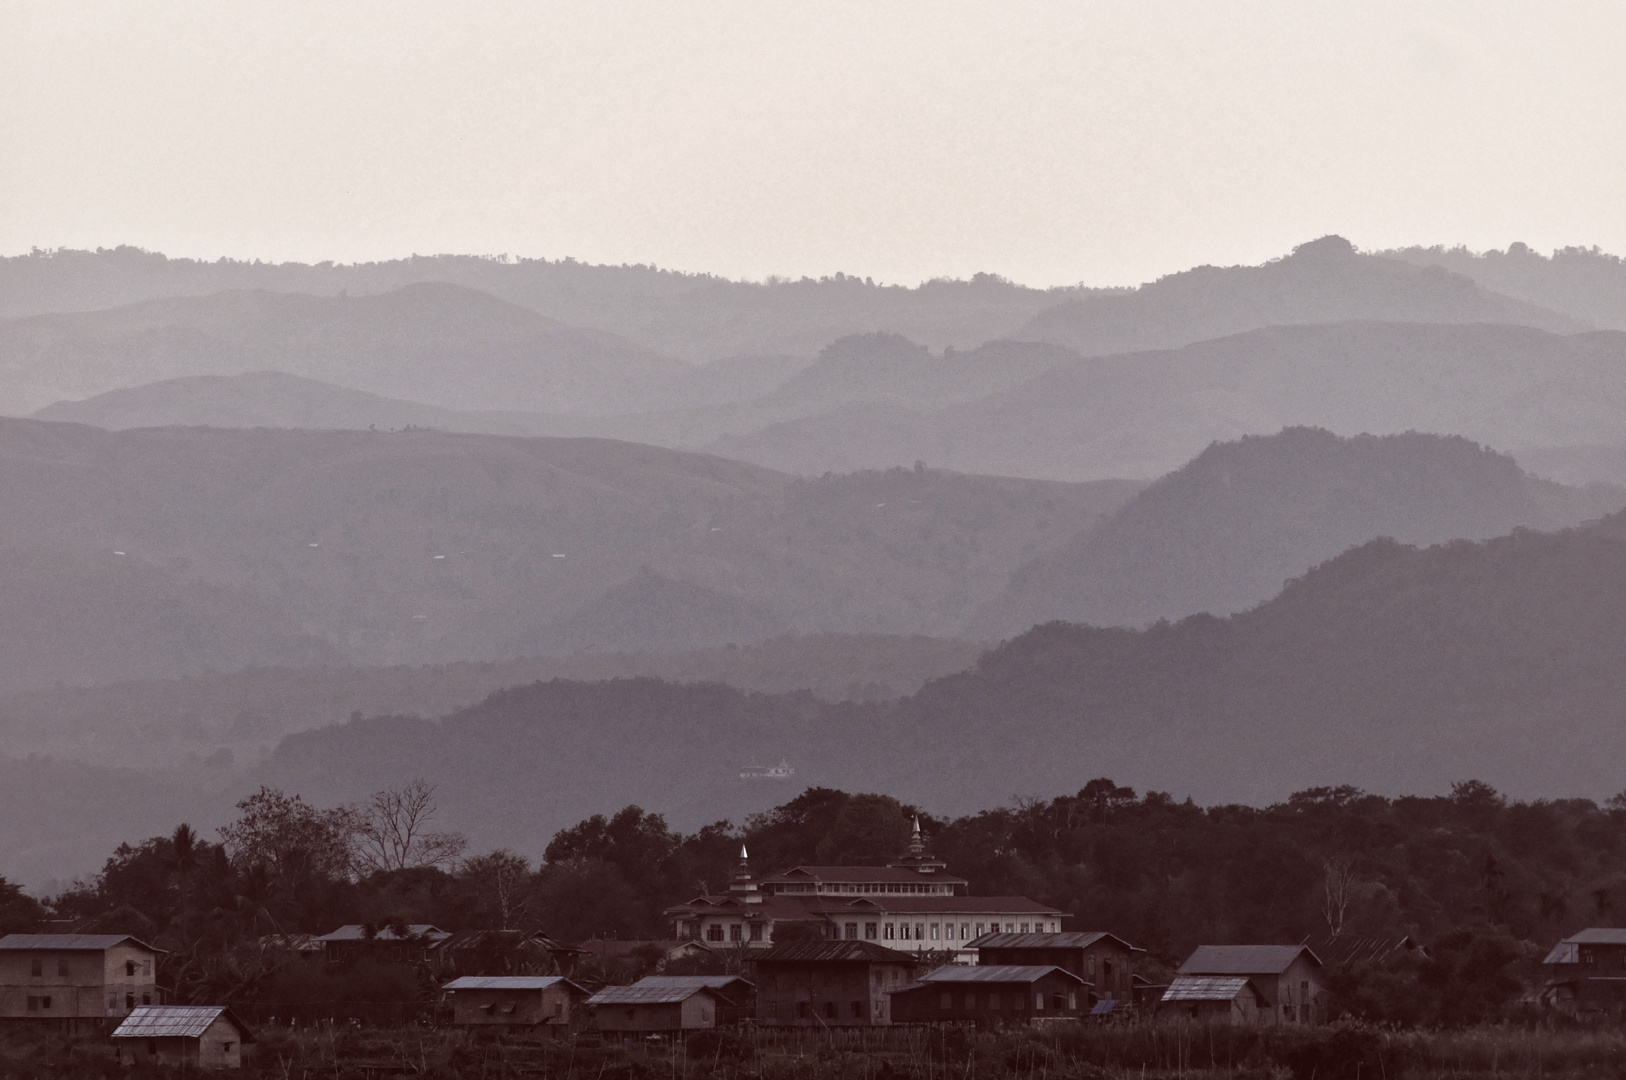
892 931
891 888
43 1002
935 931
36 967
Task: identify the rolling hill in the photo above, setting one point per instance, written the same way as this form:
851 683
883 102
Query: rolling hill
429 547
1324 281
430 342
1144 414
1224 531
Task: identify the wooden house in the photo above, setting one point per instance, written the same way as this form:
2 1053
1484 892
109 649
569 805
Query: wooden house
1213 999
654 1010
1586 972
515 1001
991 995
75 980
1290 979
827 984
184 1036
1104 961
739 995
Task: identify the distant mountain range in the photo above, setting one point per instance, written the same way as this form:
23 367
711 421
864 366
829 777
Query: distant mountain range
1223 532
210 549
1393 668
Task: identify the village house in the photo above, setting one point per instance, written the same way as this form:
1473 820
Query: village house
1289 979
654 1010
515 1001
399 944
1586 972
75 980
188 1036
1104 961
990 995
739 993
1212 999
829 984
912 905
499 952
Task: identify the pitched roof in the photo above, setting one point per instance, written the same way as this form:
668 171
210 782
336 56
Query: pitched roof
650 995
1243 959
510 982
70 942
1357 948
1205 987
997 973
1070 939
358 932
186 1021
833 952
716 982
1599 935
865 874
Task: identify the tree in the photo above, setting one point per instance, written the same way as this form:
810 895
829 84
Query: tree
499 880
19 912
293 840
391 831
870 830
1338 876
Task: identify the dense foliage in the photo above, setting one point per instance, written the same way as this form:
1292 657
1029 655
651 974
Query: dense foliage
1486 884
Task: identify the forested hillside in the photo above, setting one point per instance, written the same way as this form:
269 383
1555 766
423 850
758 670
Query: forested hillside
1224 531
157 553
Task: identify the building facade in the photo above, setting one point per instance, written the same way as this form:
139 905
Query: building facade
1586 972
514 1001
1103 961
991 995
653 1010
1289 979
912 905
195 1036
75 980
827 984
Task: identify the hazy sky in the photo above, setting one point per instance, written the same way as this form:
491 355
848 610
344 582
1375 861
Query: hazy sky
1051 142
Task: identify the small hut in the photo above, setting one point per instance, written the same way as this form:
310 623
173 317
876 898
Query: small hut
199 1036
514 1001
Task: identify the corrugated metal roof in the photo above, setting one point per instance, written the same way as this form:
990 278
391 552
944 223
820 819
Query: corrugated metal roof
69 942
1069 939
716 982
509 982
357 932
1565 952
1000 973
648 995
858 952
1243 959
166 1021
1599 935
1205 988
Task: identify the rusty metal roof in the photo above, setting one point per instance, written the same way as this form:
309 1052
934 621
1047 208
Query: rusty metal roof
1071 939
716 982
69 942
1244 959
170 1021
1205 988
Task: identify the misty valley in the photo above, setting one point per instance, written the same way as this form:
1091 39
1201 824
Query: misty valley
1322 561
